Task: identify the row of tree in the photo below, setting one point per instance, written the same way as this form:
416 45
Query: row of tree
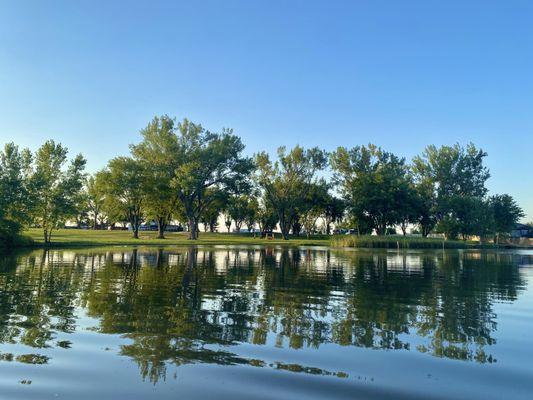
182 172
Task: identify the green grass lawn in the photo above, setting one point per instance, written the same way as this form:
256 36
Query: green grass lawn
81 237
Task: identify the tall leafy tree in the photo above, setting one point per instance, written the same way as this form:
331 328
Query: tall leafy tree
333 212
240 209
252 212
15 199
209 217
55 188
313 206
409 207
125 192
95 192
205 160
447 173
267 217
468 216
156 155
506 214
425 202
227 218
374 183
286 181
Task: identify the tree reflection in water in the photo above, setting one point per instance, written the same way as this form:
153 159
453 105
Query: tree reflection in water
195 305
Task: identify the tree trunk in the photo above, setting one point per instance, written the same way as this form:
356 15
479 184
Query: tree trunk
284 226
135 226
95 222
193 228
161 225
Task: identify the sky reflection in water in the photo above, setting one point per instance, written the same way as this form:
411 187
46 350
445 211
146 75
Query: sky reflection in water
271 322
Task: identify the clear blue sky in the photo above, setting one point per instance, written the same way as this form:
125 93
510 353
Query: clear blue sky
401 74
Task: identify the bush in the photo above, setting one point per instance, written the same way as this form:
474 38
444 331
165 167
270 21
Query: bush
10 235
395 242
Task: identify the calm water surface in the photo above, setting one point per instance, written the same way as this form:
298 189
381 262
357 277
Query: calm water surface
266 323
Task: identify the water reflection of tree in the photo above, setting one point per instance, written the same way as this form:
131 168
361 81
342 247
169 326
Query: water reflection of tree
192 305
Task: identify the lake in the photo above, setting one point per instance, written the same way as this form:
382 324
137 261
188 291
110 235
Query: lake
266 323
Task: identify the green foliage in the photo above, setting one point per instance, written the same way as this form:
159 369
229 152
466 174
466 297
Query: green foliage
286 182
468 216
396 242
334 211
210 214
267 218
237 209
506 213
241 209
124 184
252 212
446 175
155 154
314 205
181 171
14 192
425 203
374 182
55 190
453 170
95 192
204 160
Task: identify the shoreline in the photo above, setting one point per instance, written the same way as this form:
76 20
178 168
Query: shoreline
80 238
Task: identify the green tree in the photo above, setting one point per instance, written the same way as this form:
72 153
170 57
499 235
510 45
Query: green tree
409 207
426 218
227 218
55 190
468 216
155 153
95 189
238 208
267 217
125 192
334 212
506 214
313 206
448 173
373 182
204 160
286 182
15 201
212 211
252 212
82 207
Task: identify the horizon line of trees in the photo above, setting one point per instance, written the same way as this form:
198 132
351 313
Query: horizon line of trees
180 171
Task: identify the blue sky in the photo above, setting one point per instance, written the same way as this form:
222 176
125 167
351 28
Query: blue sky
401 74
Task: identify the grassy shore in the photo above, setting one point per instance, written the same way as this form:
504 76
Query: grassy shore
399 242
81 237
84 238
